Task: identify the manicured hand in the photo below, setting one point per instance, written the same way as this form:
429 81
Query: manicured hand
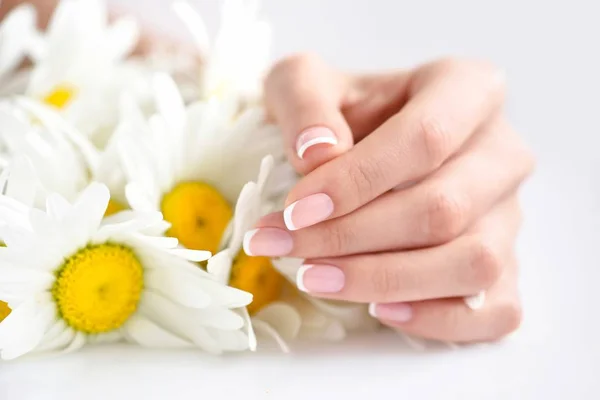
409 200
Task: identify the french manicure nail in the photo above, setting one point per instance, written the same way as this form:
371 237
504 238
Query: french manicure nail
312 137
308 211
269 242
319 278
393 312
476 301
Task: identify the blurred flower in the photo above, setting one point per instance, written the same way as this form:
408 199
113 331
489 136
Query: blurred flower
81 67
234 63
64 160
17 33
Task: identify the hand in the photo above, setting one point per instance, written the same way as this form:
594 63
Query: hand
410 196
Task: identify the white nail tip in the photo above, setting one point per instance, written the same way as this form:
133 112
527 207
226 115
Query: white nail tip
246 243
373 310
475 302
300 277
313 142
287 216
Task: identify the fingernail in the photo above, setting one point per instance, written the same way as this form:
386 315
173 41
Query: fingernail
318 278
312 137
271 242
476 301
394 312
308 211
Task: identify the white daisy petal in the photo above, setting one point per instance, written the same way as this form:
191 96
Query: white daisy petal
267 330
146 333
24 328
105 338
252 341
187 291
127 222
224 296
57 206
58 337
195 24
88 210
10 274
122 38
162 242
77 342
179 321
191 255
137 198
219 318
220 265
230 340
21 185
168 101
16 31
283 318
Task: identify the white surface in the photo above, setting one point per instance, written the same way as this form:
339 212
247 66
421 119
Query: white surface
551 53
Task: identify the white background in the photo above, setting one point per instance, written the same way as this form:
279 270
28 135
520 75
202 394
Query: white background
551 52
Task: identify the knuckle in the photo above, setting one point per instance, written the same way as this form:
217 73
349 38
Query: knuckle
435 141
385 283
446 214
486 267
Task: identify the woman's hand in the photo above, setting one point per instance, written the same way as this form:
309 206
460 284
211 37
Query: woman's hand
410 196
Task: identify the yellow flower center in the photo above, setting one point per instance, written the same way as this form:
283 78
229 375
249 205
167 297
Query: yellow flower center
60 96
114 207
256 275
98 288
198 214
4 310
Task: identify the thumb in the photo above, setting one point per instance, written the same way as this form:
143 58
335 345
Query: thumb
304 96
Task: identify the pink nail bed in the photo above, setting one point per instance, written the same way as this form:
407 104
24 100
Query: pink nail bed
308 211
312 137
271 242
320 278
393 312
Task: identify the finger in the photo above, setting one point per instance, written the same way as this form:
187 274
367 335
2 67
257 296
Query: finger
304 96
424 134
463 267
432 212
450 320
373 99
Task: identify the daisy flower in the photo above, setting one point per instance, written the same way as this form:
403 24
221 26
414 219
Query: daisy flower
63 159
234 63
17 31
80 65
70 276
190 163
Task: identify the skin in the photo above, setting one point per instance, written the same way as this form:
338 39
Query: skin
424 182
